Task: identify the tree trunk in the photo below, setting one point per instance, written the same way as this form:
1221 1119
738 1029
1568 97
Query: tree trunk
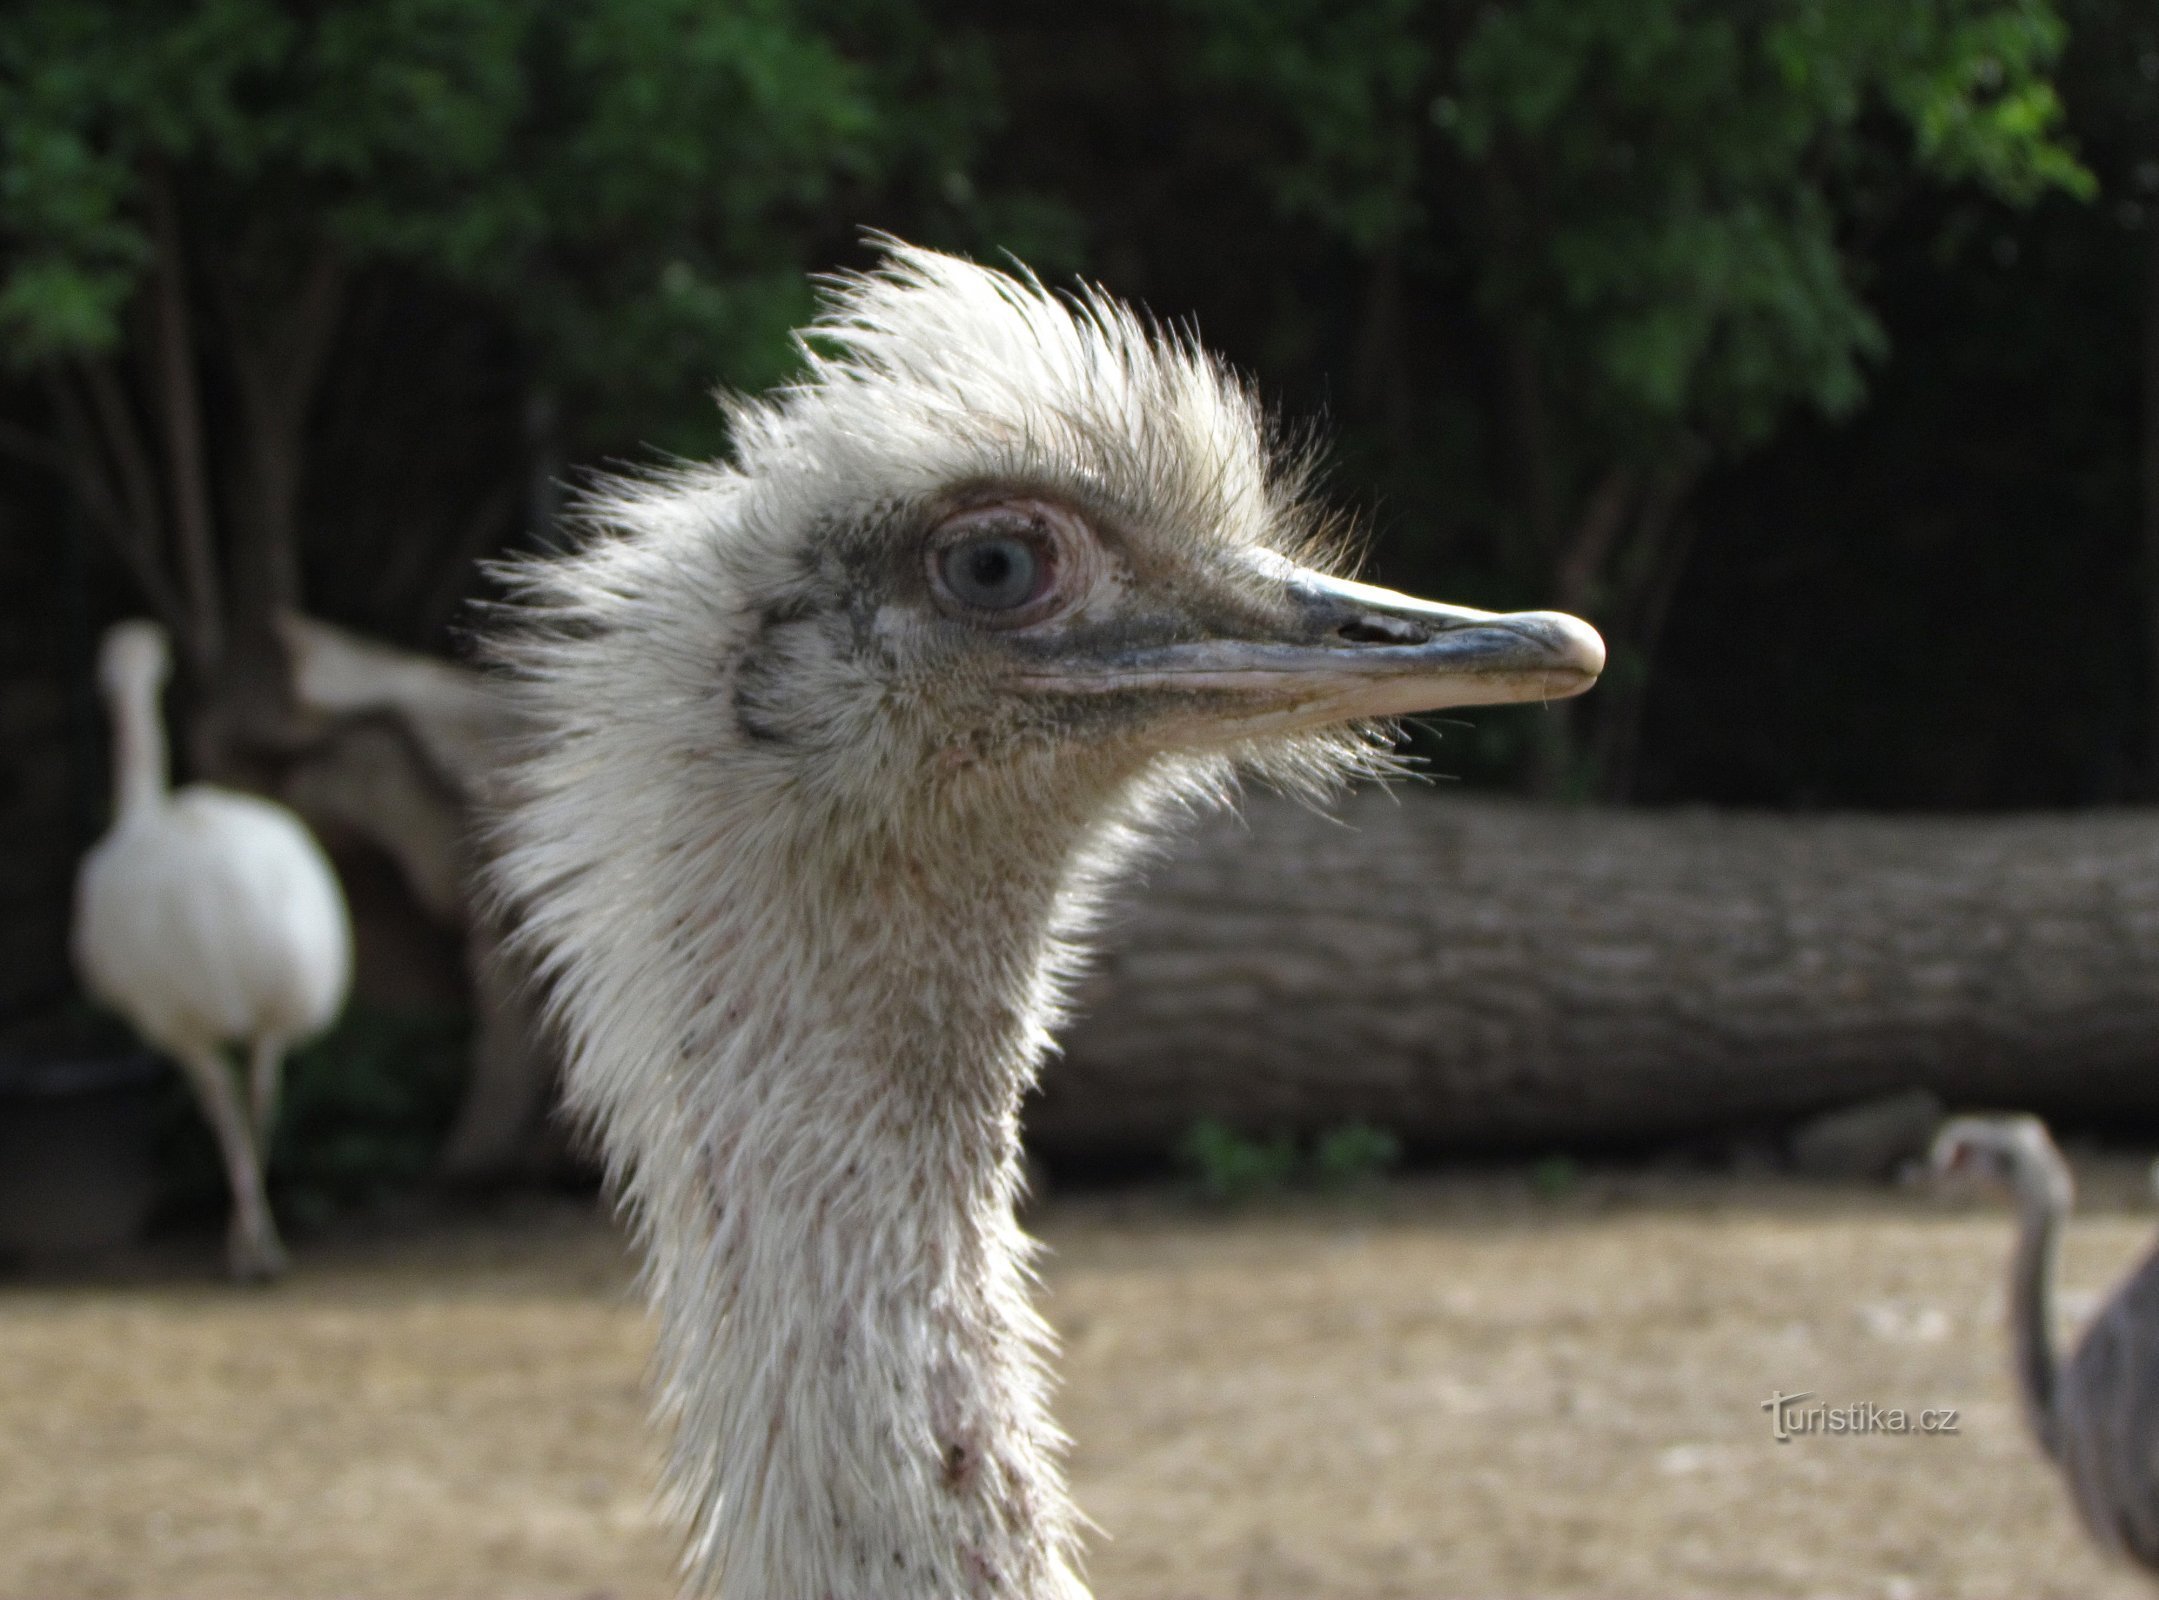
178 388
1474 974
277 345
1641 587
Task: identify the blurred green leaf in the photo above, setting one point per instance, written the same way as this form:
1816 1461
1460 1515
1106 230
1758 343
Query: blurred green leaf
632 183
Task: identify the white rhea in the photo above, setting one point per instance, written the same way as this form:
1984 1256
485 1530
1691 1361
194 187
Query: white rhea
208 918
841 740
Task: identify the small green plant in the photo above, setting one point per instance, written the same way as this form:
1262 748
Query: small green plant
1555 1177
1230 1167
1355 1156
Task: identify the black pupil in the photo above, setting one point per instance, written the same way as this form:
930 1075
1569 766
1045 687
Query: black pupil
995 574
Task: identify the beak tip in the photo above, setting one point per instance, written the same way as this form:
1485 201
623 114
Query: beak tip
1578 647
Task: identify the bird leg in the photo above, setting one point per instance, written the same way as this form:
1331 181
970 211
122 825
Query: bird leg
252 1249
266 1060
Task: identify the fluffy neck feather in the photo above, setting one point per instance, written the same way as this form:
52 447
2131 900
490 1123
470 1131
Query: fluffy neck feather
811 1104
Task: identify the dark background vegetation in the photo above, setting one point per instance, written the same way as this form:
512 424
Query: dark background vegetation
1810 347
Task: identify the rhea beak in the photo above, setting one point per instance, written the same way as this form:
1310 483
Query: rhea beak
1372 652
1330 650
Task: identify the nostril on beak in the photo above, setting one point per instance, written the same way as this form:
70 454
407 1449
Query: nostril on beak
1381 630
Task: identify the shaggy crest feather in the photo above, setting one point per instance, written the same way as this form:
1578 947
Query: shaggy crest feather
844 738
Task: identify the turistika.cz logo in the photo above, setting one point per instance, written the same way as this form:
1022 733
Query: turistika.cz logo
1790 1417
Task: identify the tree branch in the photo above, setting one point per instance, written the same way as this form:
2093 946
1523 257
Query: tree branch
278 375
483 529
1582 561
123 442
85 474
1535 449
1655 560
182 416
25 445
133 539
316 313
1653 548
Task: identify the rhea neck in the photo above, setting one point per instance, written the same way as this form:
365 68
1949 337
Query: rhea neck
2043 1190
141 776
848 1349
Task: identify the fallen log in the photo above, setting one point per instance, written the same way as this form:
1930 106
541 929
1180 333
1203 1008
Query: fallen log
1475 974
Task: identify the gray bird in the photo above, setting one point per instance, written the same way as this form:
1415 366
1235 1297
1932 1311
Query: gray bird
2097 1412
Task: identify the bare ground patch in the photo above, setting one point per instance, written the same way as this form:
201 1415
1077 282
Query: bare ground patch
1456 1390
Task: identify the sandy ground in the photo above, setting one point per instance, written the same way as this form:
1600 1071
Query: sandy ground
1459 1389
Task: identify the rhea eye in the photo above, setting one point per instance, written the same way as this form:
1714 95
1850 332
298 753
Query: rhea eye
995 572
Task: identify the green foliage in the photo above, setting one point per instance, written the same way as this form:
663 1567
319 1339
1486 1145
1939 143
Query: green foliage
631 182
1354 1156
1231 1168
1547 266
1654 210
1654 195
365 1111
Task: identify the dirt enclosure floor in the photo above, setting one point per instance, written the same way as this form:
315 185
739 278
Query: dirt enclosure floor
1458 1389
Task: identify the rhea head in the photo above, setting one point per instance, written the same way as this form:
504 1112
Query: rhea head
1000 548
2013 1153
132 655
